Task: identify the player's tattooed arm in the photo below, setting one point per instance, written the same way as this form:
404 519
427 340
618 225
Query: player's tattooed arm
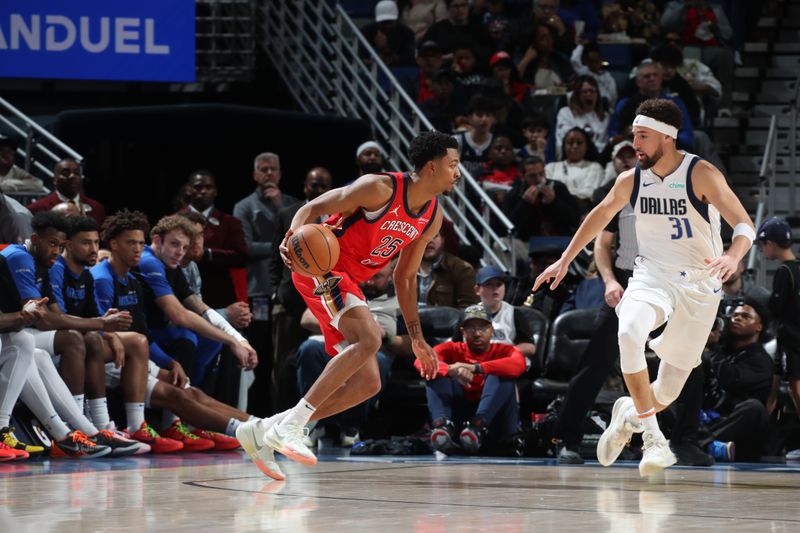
414 329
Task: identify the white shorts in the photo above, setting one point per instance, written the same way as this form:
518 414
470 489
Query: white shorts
689 304
114 378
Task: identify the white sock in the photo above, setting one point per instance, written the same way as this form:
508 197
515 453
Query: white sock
632 416
98 412
266 423
649 421
79 401
300 413
5 420
134 414
56 427
230 429
251 418
168 418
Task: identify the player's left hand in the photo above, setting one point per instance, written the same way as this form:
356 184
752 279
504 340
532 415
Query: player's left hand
722 267
284 250
429 363
117 349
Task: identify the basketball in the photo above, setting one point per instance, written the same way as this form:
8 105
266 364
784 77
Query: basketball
313 249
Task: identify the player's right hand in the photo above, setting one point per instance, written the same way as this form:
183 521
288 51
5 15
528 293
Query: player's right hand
284 250
556 272
33 310
428 362
118 321
614 292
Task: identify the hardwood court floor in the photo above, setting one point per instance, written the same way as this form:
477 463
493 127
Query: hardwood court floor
224 492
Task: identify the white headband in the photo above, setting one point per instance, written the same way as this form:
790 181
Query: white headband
653 124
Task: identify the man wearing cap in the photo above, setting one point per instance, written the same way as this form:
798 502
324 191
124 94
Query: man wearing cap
623 157
475 386
12 178
393 41
510 327
774 237
429 60
369 158
678 200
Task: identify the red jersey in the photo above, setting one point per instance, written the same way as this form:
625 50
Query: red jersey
502 360
368 241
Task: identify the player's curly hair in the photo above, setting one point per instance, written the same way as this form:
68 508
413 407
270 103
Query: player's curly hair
80 225
45 220
172 223
124 221
663 110
428 146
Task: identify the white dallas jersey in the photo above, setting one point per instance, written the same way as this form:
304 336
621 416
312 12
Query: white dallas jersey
675 229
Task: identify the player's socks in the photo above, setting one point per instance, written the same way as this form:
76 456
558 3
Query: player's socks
230 429
79 399
134 414
98 412
648 420
300 414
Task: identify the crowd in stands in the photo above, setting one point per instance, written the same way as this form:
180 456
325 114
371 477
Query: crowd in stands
98 305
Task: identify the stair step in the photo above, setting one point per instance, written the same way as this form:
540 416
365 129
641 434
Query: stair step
786 61
763 122
756 47
778 86
767 110
767 22
781 73
786 48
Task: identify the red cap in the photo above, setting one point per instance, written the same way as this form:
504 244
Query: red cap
500 56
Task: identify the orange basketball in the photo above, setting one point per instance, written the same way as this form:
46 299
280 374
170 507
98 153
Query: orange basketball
313 249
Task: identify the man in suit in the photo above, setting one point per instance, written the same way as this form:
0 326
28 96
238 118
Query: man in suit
225 246
67 179
287 305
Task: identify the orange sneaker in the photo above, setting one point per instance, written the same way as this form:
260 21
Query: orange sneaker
222 443
6 453
191 442
76 445
157 443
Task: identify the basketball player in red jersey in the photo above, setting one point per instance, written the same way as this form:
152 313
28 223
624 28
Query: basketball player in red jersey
376 217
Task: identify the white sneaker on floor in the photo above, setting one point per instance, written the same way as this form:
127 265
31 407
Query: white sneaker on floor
251 437
617 434
656 454
793 455
287 438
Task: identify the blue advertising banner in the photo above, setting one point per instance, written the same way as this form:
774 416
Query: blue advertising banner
137 40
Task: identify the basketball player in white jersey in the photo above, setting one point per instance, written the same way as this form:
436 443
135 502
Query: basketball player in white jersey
677 199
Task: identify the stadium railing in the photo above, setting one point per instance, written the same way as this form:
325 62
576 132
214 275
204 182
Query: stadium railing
330 68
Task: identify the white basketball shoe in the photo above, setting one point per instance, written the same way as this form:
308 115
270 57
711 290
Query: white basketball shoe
657 456
287 438
617 434
251 437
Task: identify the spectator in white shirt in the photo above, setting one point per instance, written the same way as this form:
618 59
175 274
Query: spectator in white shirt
579 169
585 111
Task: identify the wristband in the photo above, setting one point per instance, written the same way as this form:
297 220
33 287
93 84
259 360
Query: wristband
744 230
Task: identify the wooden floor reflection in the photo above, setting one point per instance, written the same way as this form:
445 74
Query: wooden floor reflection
224 492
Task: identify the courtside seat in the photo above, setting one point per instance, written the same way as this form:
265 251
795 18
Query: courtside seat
569 336
539 325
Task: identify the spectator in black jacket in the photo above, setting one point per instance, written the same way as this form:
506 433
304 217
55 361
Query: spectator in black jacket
538 206
394 42
740 377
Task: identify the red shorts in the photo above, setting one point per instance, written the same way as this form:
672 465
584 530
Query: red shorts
329 297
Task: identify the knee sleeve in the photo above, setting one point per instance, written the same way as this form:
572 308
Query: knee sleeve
671 379
636 321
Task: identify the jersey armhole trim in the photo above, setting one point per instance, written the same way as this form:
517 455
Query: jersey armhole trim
434 212
637 174
395 184
698 204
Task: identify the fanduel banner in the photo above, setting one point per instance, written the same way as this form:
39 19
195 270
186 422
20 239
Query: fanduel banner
137 40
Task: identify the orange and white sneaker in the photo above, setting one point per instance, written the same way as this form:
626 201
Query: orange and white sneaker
191 442
222 443
251 436
157 443
6 453
76 445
